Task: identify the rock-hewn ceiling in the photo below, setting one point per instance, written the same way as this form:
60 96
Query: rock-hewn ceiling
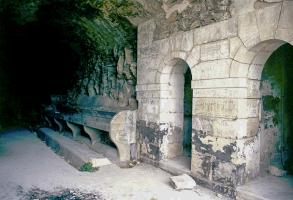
171 16
175 9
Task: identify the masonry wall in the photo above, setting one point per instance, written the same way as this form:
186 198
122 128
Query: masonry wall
226 60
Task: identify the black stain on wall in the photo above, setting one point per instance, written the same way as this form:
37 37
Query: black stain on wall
151 136
221 179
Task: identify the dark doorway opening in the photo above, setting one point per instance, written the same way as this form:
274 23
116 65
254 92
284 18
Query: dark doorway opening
277 108
187 126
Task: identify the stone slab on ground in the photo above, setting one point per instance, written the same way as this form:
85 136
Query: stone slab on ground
183 182
267 188
75 153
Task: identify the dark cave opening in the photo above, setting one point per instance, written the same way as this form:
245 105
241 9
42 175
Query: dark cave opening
52 47
37 60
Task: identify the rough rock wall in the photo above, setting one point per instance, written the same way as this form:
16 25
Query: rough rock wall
185 15
109 82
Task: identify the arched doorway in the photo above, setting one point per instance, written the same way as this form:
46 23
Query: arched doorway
266 78
176 115
270 73
276 143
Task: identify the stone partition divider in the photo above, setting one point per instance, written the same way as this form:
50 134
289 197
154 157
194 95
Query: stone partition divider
123 134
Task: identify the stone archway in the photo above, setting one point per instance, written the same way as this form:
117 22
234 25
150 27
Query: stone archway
176 111
275 114
247 66
260 33
257 56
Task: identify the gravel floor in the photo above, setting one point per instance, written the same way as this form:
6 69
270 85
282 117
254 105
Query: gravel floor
64 194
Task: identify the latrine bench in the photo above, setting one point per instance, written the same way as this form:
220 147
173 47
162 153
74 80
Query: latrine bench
120 125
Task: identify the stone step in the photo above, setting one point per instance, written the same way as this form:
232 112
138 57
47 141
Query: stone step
247 195
177 166
267 188
75 153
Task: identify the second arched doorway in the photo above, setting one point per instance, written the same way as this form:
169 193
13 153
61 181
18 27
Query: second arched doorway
176 114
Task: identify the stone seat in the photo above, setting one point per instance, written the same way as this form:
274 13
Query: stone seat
121 126
100 120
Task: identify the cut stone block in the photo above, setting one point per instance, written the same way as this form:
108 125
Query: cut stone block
183 182
215 50
248 29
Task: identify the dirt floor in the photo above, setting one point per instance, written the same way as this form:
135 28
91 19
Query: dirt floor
31 170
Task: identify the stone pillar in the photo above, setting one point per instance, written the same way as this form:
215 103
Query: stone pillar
172 113
149 129
224 138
